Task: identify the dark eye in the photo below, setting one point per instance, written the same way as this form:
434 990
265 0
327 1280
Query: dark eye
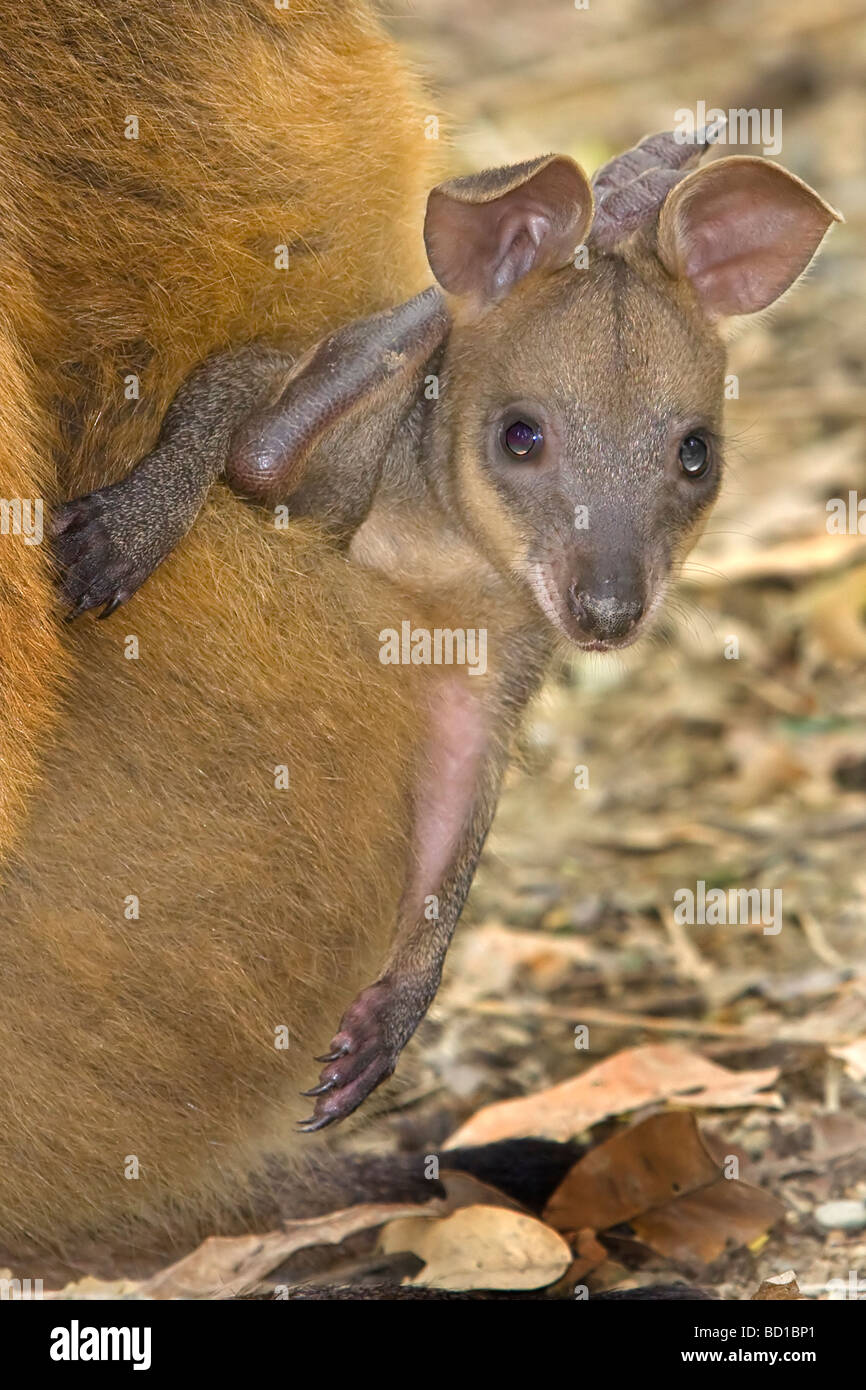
694 456
522 439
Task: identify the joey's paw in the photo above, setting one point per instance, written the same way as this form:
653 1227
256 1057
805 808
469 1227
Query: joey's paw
362 1054
96 568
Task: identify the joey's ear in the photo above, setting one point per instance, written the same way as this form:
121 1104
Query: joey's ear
741 230
361 368
486 231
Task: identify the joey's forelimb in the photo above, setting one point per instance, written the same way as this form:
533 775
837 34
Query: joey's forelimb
254 416
110 541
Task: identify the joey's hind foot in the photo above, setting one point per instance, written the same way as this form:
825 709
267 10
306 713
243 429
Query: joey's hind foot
364 1052
100 560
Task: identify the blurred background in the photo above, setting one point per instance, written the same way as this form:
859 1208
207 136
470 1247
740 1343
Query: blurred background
745 771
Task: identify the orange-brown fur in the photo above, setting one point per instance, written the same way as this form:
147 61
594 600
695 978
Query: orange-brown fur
259 907
258 127
31 660
155 1037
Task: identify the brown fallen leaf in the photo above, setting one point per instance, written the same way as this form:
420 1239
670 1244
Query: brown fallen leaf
702 1225
645 1167
779 1288
465 1190
227 1266
660 1177
480 1247
589 1256
633 1078
854 1057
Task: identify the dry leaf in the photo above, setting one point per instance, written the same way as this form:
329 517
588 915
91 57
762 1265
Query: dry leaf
781 1287
465 1190
702 1225
854 1057
636 1077
224 1267
645 1167
589 1255
481 1248
660 1177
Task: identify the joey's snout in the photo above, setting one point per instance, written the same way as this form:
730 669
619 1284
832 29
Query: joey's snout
605 616
596 606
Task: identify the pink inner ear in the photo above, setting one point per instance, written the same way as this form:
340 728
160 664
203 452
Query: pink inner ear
481 241
743 231
521 235
742 255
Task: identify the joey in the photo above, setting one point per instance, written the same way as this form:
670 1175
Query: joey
548 489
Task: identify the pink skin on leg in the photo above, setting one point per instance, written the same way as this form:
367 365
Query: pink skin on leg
446 840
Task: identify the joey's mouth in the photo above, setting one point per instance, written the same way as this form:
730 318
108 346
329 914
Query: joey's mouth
597 644
551 601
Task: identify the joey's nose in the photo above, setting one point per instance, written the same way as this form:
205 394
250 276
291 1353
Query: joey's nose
605 617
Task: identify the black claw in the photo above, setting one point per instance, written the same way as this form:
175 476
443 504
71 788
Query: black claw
112 605
333 1056
76 612
320 1090
312 1124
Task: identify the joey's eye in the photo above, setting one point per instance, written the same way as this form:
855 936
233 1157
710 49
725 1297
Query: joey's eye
694 456
522 439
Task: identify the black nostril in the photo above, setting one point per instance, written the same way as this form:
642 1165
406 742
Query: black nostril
605 617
